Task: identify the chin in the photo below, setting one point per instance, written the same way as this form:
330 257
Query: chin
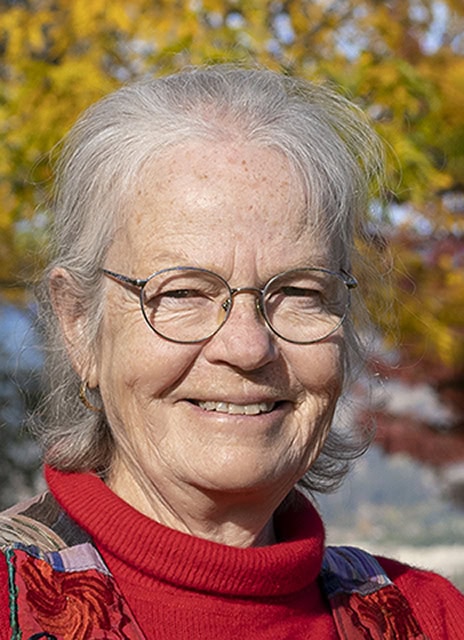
247 480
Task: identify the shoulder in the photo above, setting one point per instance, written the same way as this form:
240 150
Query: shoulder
39 545
40 522
437 604
418 582
30 522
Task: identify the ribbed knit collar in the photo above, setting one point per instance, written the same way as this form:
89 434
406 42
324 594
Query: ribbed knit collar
149 550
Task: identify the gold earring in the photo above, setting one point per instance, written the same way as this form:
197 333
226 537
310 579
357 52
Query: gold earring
85 401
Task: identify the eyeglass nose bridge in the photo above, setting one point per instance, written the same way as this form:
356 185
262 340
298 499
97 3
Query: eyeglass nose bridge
258 293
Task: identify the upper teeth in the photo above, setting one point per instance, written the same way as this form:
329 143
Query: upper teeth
238 409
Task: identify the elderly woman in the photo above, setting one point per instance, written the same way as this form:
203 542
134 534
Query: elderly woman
201 335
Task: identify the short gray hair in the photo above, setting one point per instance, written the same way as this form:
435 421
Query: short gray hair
326 138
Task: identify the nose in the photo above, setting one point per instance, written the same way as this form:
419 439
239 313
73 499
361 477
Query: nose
244 341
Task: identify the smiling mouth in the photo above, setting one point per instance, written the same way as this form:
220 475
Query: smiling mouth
236 409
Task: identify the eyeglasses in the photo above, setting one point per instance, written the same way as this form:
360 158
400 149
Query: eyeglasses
189 305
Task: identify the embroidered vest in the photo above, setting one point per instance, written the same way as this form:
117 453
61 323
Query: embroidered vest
61 589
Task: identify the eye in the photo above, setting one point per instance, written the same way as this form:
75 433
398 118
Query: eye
299 298
175 297
302 292
303 296
178 289
182 293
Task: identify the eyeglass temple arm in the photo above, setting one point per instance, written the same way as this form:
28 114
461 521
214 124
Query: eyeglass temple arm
134 282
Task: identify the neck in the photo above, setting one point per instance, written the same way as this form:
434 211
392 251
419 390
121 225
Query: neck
237 519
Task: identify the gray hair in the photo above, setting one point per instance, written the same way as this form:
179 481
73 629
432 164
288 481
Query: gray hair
327 140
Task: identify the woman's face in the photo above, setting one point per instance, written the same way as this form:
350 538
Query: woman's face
239 211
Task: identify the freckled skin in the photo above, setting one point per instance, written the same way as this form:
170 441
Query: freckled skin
238 210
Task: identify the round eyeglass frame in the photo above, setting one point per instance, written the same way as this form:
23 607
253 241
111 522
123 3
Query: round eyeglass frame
139 283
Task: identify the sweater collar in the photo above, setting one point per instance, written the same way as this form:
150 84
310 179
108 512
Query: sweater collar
139 545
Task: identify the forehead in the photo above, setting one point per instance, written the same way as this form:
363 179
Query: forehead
207 202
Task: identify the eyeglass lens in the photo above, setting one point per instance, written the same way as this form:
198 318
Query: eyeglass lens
303 306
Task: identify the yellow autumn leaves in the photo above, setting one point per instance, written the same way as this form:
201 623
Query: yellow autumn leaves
402 60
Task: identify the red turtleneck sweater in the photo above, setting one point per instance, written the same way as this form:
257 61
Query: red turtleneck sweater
185 588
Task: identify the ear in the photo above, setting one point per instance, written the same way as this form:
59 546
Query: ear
72 317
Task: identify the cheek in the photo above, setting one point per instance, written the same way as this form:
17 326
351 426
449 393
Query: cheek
133 360
160 368
320 374
319 368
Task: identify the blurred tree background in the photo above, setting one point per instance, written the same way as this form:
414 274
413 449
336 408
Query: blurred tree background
400 60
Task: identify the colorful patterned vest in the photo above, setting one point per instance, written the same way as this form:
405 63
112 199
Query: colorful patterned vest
61 589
